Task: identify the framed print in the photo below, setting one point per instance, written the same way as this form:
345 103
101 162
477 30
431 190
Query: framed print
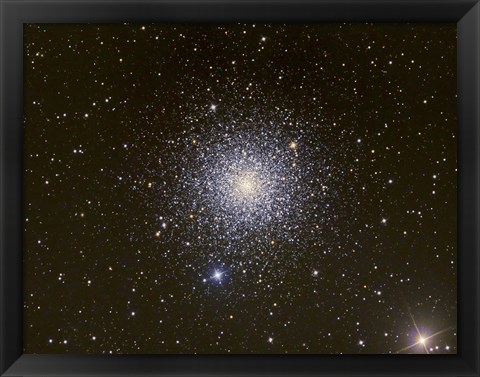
240 188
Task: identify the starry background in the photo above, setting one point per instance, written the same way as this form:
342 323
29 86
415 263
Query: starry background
240 188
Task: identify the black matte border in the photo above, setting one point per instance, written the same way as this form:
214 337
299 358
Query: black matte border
14 13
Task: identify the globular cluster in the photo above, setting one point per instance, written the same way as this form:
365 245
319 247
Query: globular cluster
240 188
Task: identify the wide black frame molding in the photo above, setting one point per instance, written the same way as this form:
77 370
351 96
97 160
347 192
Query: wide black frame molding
14 13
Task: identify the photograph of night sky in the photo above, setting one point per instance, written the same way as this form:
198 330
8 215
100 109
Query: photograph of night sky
240 189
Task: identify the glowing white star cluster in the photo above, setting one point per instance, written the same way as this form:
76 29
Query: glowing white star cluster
255 182
254 188
249 177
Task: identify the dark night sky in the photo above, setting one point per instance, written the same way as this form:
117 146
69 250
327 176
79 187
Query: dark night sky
244 188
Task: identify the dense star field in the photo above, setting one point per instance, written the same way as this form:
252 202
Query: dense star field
241 188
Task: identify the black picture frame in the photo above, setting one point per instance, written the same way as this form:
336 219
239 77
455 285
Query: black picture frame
14 13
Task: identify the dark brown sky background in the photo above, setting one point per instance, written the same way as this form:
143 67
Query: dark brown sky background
244 188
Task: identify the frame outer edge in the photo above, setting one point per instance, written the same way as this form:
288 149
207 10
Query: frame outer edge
2 180
468 70
3 303
476 9
11 189
470 96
